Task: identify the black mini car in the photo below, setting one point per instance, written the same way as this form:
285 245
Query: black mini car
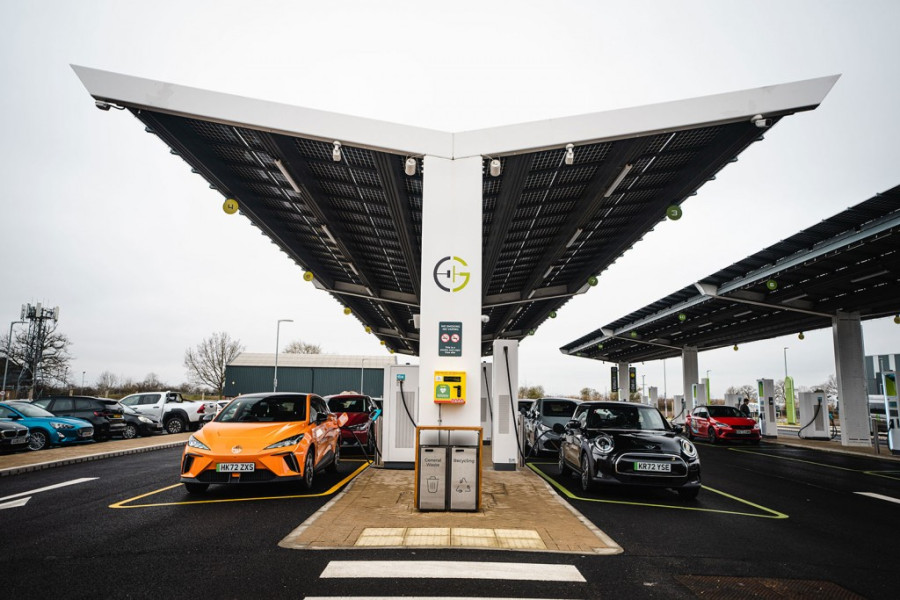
623 443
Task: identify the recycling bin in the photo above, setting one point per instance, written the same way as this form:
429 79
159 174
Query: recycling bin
463 488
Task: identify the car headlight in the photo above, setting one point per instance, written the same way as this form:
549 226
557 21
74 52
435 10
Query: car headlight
721 425
145 420
55 425
756 426
291 441
195 443
688 448
604 444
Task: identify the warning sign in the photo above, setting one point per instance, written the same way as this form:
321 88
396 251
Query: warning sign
450 338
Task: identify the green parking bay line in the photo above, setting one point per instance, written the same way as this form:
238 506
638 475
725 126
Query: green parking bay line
328 492
767 513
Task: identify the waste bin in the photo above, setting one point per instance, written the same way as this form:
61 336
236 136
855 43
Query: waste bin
463 489
432 483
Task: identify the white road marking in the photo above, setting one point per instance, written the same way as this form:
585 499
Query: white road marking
432 569
48 488
879 497
15 503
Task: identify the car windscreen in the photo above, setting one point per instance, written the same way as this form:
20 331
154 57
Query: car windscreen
264 409
30 410
625 417
724 411
354 404
558 408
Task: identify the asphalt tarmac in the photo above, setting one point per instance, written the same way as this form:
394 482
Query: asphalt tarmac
771 521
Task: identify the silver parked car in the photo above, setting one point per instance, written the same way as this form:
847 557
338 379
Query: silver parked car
544 414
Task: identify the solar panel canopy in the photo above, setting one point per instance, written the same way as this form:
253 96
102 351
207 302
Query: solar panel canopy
848 263
350 215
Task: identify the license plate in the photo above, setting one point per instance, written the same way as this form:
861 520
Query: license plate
235 467
117 416
651 466
18 440
742 431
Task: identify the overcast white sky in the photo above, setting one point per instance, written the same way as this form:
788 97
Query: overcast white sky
99 219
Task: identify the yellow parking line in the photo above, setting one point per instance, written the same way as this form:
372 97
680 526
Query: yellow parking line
773 514
327 492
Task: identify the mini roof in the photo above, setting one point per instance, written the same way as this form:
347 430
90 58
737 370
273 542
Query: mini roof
848 263
549 227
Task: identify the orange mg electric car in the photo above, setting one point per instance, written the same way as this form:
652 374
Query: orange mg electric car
261 438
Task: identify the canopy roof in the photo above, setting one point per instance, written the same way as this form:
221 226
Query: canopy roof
848 263
355 223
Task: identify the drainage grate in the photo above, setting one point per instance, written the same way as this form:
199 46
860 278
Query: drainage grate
739 588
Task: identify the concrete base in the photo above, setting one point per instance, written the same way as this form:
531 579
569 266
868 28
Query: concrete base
504 466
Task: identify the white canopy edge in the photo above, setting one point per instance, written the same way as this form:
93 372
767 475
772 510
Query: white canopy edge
190 102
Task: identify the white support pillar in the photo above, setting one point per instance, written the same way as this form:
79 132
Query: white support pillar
851 379
450 316
504 396
624 393
690 374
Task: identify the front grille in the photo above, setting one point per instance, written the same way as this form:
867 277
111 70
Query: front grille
11 433
625 465
86 432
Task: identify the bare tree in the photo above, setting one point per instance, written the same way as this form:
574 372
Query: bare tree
744 391
301 347
107 382
531 393
206 363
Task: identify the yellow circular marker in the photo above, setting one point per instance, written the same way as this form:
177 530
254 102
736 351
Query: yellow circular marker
308 276
231 206
347 310
368 329
382 342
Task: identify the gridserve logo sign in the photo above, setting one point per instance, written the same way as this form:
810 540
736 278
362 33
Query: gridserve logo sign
451 274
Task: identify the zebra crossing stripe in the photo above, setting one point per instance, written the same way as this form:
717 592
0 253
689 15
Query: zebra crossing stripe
432 569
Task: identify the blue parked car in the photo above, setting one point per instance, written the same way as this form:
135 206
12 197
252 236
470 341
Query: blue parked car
46 428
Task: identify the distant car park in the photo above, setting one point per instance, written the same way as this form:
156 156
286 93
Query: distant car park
45 428
103 413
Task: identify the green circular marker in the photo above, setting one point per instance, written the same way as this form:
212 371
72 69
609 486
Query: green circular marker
682 317
592 281
674 212
531 332
772 285
634 334
599 346
552 314
347 310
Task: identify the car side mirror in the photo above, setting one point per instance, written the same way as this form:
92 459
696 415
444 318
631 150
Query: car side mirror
558 428
321 418
677 428
573 424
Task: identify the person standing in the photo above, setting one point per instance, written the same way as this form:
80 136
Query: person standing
745 407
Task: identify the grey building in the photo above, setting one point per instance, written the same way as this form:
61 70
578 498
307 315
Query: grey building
321 374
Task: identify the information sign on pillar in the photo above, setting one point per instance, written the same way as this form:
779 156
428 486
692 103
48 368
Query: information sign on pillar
632 380
614 381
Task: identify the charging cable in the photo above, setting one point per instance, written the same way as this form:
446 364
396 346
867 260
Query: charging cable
512 406
815 416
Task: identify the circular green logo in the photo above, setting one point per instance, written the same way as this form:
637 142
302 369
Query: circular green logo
674 212
772 285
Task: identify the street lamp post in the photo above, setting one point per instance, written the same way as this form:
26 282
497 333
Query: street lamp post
785 361
277 334
82 381
362 375
8 348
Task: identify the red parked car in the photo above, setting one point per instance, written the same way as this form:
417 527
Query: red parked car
357 431
720 423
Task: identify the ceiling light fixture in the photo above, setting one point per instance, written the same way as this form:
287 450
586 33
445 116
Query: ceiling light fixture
625 170
336 152
410 166
328 233
570 154
287 175
870 276
495 167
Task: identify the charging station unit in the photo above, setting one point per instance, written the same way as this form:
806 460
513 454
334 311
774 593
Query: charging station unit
653 398
698 395
891 409
680 410
768 421
401 414
487 410
506 431
813 416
